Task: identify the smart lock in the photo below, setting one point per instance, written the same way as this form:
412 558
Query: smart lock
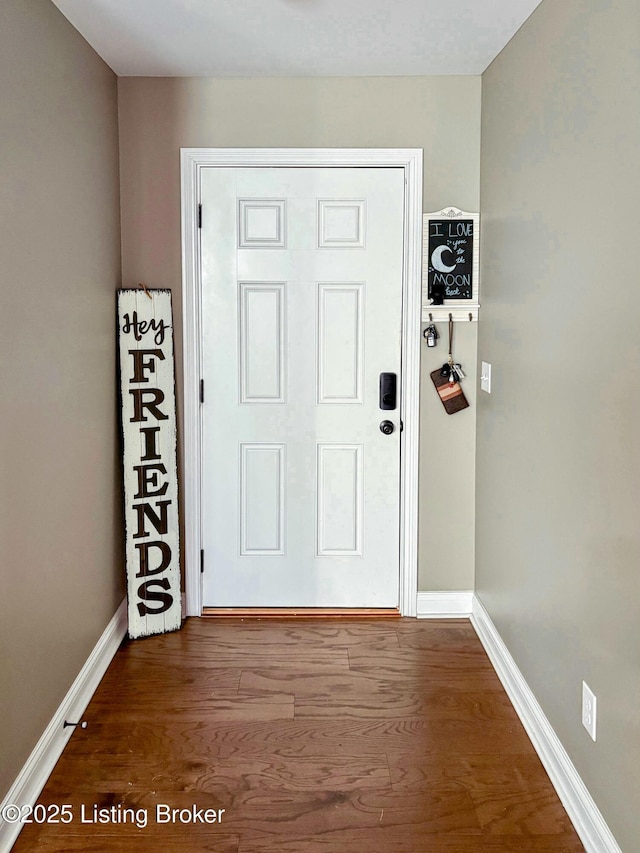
388 391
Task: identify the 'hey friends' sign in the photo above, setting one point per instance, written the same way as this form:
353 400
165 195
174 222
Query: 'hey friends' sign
147 394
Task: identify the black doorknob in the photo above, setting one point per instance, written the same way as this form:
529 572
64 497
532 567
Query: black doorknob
387 427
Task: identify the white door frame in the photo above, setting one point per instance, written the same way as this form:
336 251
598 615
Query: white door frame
192 161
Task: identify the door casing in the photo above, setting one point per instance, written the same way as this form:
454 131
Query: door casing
192 162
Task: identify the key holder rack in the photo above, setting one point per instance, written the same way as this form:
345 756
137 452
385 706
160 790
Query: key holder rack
444 314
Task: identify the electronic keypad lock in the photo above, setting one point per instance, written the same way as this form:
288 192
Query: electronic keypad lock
388 384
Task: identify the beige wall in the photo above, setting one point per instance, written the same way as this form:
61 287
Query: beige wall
440 115
558 462
60 500
558 454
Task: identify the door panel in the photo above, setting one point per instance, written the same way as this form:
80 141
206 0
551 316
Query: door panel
263 351
339 503
340 336
262 484
301 312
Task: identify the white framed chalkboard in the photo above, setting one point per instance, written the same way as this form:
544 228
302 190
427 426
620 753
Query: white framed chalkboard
451 260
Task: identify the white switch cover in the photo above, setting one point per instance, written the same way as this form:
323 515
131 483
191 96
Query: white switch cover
485 377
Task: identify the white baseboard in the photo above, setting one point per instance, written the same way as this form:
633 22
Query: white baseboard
33 776
579 805
453 604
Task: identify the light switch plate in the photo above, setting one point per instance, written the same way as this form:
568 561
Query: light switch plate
485 377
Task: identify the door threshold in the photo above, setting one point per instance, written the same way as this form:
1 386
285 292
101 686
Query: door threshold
301 612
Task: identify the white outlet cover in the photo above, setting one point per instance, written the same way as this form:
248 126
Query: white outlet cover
589 710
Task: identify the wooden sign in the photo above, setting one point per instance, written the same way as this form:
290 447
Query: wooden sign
451 256
147 396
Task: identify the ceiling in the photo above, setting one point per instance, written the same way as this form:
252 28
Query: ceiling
296 38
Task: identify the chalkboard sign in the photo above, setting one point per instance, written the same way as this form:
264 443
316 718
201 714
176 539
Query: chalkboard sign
451 255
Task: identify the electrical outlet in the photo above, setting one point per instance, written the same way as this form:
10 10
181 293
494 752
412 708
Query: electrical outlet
589 709
485 377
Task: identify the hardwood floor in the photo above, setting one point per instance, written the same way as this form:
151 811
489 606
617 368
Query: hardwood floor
362 736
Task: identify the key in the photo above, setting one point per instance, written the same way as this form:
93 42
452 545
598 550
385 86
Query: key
459 371
431 335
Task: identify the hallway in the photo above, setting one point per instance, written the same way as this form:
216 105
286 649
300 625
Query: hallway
366 736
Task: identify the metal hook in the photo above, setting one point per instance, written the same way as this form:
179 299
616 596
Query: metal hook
430 317
470 317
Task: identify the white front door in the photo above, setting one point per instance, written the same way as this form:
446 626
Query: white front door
301 277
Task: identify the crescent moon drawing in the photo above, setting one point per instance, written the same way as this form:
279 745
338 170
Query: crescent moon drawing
438 263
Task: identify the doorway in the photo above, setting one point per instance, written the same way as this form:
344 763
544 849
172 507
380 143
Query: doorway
293 494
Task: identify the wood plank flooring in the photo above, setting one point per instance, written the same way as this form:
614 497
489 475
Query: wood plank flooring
324 736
